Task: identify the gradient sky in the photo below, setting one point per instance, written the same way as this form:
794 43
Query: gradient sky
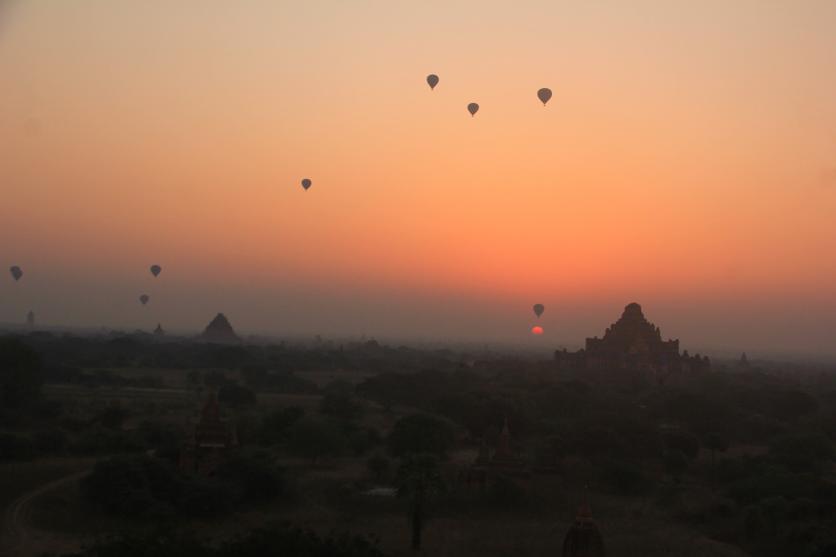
687 161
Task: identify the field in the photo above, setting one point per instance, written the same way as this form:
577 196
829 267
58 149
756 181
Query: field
707 466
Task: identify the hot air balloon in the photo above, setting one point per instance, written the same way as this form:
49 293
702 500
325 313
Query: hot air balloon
16 272
539 309
544 95
156 270
144 299
306 183
473 108
432 80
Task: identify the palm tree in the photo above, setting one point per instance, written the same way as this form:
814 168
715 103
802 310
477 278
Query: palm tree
419 478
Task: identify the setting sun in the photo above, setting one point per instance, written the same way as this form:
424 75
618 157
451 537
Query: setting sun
537 330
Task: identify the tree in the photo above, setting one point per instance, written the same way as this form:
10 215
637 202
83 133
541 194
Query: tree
803 451
113 417
419 479
255 480
275 426
716 442
420 433
341 405
275 539
255 375
791 405
625 476
683 442
233 394
20 374
131 486
379 466
15 447
194 378
676 463
315 438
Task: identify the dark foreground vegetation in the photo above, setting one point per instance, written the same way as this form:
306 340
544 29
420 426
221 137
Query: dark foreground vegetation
384 441
279 539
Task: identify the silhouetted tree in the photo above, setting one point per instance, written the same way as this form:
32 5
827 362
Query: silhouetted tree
341 405
20 374
420 433
379 467
683 442
802 452
255 480
276 425
15 447
276 539
715 442
419 479
113 417
315 438
234 395
676 463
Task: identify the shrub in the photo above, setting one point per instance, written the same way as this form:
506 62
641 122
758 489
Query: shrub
315 438
379 466
420 433
15 447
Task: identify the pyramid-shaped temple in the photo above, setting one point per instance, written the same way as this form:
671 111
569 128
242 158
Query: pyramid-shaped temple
632 343
220 330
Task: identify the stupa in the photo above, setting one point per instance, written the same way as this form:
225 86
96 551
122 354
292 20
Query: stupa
212 440
219 330
583 538
632 343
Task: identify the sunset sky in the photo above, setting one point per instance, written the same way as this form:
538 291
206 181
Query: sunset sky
687 161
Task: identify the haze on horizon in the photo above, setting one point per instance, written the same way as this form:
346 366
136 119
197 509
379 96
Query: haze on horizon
687 161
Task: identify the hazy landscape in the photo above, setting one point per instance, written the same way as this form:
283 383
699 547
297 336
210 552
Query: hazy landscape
732 460
438 278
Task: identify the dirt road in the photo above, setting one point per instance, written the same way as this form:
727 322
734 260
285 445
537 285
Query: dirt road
17 536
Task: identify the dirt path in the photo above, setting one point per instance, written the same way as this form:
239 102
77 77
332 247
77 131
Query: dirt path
17 535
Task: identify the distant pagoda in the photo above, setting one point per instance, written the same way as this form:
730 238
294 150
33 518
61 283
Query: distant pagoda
503 463
504 457
211 442
583 538
632 343
159 330
220 330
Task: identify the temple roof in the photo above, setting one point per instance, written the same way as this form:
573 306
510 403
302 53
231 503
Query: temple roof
220 330
211 431
632 334
583 538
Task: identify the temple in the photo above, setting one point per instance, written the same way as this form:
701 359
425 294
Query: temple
632 343
212 440
504 462
504 458
219 330
583 538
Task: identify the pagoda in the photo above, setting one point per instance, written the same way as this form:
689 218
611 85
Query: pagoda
504 457
219 330
583 538
211 442
632 343
503 462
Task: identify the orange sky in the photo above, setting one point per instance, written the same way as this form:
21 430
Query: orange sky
687 160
